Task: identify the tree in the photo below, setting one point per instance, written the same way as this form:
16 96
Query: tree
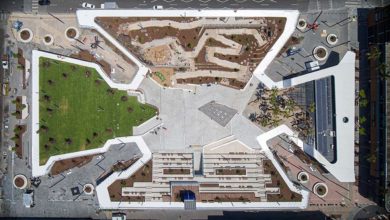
124 98
362 93
68 141
312 107
253 116
52 140
362 131
44 128
382 68
373 54
363 103
110 91
362 120
47 98
372 158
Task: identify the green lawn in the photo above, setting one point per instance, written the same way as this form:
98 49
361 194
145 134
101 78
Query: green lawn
79 111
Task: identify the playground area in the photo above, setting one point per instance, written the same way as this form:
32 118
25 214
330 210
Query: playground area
197 50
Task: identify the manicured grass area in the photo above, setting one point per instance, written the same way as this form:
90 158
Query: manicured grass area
79 111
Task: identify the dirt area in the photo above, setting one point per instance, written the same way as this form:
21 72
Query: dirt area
187 39
233 83
64 165
47 39
87 189
251 53
18 139
174 171
212 197
158 55
22 64
19 182
285 195
71 33
163 75
199 80
144 174
21 60
233 171
123 165
321 53
25 35
229 197
18 107
321 190
202 64
87 56
209 185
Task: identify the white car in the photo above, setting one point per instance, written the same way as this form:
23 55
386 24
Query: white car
158 7
88 5
5 64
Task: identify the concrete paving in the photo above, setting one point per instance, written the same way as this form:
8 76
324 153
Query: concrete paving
184 124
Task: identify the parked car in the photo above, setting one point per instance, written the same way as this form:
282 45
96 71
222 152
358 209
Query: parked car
293 50
88 5
44 2
4 61
158 7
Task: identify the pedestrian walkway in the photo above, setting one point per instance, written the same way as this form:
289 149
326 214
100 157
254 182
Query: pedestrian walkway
34 6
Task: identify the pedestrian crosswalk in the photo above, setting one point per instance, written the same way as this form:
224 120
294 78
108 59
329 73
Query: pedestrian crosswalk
3 15
352 3
34 6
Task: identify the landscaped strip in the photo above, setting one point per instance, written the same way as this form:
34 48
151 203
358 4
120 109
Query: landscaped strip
79 111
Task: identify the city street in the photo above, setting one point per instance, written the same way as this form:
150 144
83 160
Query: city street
64 6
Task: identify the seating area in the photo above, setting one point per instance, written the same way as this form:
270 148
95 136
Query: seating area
230 171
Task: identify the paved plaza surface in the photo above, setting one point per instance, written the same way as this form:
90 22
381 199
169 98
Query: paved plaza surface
152 166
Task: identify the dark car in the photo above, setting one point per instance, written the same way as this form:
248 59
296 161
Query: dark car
44 2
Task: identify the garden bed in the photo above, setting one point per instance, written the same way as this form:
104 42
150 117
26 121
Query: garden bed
87 56
71 33
47 39
18 139
229 197
144 174
19 182
64 165
188 38
19 107
232 171
176 171
25 35
249 57
285 194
